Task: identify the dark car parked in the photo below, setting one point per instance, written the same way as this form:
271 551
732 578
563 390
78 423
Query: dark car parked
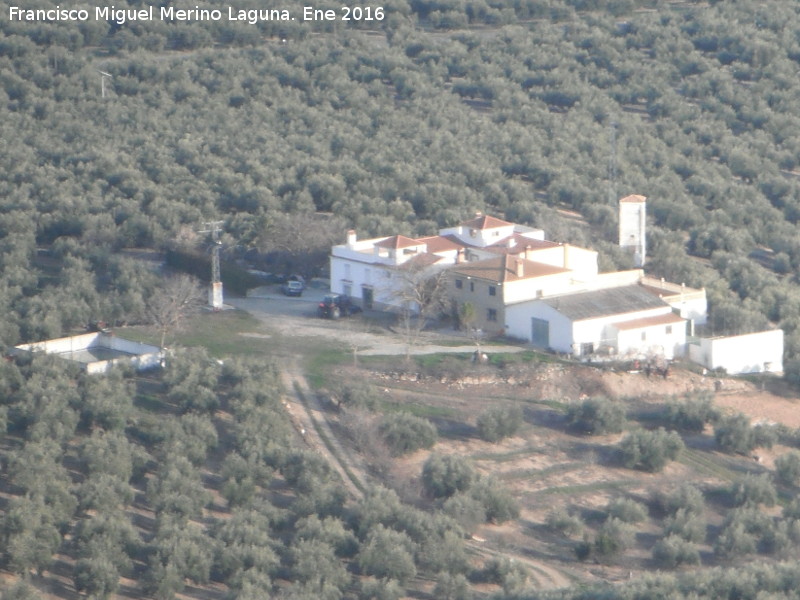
334 306
292 288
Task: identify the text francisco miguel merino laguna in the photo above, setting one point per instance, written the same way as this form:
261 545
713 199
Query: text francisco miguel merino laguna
170 13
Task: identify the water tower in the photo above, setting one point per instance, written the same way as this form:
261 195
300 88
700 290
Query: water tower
632 213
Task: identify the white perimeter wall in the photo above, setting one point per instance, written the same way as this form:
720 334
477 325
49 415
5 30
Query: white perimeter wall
146 356
68 344
751 353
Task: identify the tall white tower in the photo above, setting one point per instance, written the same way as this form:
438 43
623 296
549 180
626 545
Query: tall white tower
215 291
632 213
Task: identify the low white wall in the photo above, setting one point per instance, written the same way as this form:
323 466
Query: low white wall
68 344
144 356
750 353
129 346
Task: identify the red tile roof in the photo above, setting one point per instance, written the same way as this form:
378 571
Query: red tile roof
397 242
504 268
665 319
485 222
438 243
425 259
633 198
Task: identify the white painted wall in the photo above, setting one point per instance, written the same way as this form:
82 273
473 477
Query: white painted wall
632 229
67 344
691 307
530 289
567 336
657 343
602 334
479 237
518 324
145 355
751 353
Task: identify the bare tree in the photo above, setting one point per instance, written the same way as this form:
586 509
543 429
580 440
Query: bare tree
420 295
468 318
177 297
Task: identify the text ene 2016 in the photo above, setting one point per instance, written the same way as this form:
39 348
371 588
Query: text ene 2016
346 13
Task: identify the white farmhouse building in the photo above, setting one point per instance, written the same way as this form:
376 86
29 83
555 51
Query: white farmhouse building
369 270
515 283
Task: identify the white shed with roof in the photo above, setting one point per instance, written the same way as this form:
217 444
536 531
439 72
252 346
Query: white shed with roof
626 320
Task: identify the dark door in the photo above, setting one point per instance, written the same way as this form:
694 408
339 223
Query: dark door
366 297
540 333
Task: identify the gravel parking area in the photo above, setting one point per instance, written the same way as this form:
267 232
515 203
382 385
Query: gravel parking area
368 331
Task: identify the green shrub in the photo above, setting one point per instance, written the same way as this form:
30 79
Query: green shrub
451 587
381 589
650 450
787 468
560 520
753 490
405 433
468 511
734 434
686 497
613 538
597 416
692 415
627 510
499 422
687 525
505 572
387 554
792 510
499 504
744 529
443 476
673 551
355 395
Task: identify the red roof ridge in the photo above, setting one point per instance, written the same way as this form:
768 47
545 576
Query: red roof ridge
397 242
633 198
485 222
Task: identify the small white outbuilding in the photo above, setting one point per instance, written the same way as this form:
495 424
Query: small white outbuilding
760 352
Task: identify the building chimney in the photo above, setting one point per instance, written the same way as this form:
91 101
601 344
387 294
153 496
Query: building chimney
566 256
351 237
520 269
528 252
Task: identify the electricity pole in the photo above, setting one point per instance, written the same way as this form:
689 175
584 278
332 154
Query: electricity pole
103 76
215 291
